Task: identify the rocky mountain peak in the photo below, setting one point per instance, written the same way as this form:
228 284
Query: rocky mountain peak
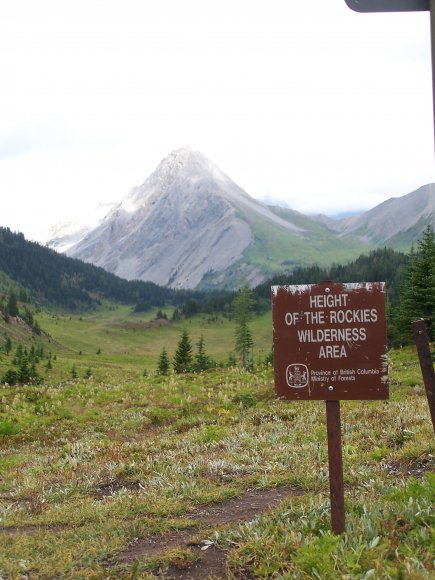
189 225
175 227
172 174
404 216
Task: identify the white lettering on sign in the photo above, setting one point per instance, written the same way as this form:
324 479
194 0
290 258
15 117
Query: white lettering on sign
341 375
350 316
330 341
332 351
328 300
291 318
332 335
339 313
315 317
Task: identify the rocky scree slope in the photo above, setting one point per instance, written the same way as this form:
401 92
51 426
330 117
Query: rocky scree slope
190 226
186 220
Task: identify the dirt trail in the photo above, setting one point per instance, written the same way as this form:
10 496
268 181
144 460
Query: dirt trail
213 561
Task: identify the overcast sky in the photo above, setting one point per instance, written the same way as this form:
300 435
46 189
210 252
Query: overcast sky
302 101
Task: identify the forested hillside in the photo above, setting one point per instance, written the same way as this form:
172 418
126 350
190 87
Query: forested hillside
383 265
53 278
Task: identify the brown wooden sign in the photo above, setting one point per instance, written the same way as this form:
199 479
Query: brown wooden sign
330 341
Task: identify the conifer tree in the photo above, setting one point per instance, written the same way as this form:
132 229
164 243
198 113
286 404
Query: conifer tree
19 354
202 361
33 373
12 304
417 298
163 364
24 371
10 377
243 305
183 355
27 316
32 354
7 347
176 315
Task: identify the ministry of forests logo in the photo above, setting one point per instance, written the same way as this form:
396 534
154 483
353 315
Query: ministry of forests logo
297 376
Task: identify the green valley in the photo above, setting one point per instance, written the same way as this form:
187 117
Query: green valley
121 475
109 469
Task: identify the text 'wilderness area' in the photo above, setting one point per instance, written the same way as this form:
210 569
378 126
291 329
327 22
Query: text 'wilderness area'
328 336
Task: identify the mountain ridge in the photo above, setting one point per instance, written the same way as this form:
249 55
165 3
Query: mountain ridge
190 226
394 216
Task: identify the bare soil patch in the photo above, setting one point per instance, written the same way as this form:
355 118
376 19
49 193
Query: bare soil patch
110 489
33 528
212 562
405 469
212 565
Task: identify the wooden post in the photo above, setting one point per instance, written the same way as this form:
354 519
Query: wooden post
432 38
335 455
422 343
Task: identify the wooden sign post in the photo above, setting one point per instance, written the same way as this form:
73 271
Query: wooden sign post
422 343
335 462
330 343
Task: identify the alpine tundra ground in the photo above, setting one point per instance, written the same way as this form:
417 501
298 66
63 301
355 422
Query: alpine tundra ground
121 475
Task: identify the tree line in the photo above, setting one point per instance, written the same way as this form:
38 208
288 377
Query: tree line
381 265
56 279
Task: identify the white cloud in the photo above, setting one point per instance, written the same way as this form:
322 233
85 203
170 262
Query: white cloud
307 102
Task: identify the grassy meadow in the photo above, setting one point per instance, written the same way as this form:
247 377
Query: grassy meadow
93 470
131 342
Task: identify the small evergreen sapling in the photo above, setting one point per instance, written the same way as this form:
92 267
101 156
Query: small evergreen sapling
163 363
183 355
202 361
12 304
244 343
